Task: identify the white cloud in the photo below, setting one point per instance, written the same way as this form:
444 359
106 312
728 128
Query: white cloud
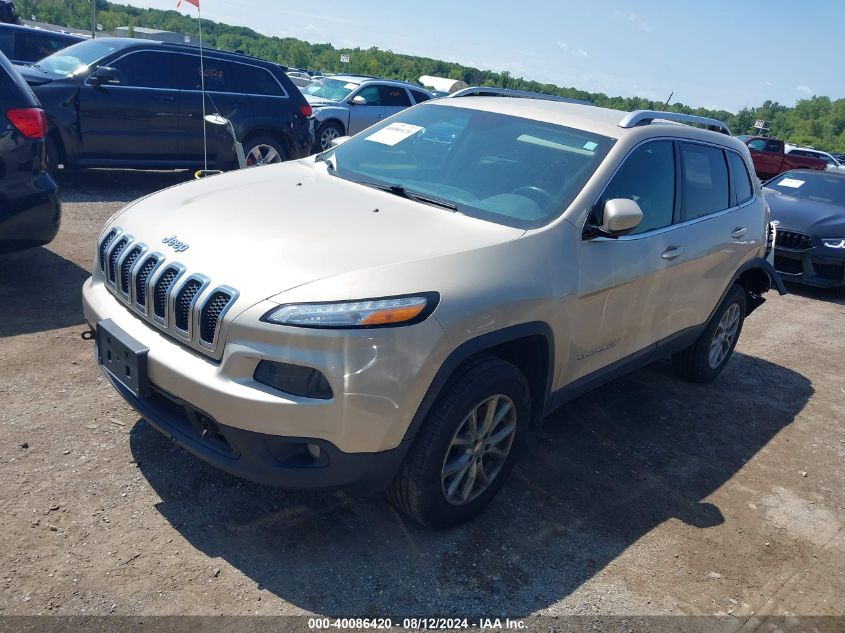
805 90
634 19
563 45
582 53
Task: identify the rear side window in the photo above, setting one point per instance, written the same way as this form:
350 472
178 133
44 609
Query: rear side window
220 75
144 69
258 81
419 96
648 178
394 96
705 181
739 177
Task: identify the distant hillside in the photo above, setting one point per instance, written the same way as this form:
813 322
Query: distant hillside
817 121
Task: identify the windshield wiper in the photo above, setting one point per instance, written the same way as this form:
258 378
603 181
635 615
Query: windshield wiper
402 192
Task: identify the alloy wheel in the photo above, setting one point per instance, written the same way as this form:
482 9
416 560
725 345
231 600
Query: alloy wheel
478 450
262 154
724 336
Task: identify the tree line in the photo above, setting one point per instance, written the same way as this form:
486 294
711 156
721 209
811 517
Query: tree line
817 121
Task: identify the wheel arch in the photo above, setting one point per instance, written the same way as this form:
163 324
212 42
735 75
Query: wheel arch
756 277
332 119
528 346
274 134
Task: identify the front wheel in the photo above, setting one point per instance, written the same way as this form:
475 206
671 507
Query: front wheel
326 133
706 358
466 446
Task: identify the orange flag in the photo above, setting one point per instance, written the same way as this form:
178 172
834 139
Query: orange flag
196 3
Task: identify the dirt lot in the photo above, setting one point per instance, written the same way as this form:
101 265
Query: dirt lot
650 497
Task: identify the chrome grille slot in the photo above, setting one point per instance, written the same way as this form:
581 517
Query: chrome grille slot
212 311
184 304
143 276
114 255
104 247
161 290
126 267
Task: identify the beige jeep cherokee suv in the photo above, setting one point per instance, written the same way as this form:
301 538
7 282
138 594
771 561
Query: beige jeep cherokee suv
397 312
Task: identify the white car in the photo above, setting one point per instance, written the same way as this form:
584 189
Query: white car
832 163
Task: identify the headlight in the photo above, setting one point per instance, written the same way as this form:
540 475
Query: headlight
835 243
356 314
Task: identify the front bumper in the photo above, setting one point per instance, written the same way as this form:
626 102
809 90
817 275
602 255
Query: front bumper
813 267
378 378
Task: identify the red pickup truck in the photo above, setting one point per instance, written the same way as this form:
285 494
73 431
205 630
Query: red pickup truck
770 159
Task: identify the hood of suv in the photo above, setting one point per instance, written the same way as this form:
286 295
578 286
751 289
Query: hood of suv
268 229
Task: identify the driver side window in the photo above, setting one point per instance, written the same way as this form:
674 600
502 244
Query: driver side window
648 178
371 95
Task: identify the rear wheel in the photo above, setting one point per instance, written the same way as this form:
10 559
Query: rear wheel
706 358
466 446
263 150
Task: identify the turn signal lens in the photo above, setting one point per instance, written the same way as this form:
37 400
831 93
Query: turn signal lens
352 314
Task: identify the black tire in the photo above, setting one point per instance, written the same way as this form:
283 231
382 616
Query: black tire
261 143
327 132
695 363
53 157
418 490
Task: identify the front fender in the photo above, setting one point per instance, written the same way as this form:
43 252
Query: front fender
332 113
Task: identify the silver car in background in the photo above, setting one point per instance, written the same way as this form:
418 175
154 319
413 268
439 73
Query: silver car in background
346 104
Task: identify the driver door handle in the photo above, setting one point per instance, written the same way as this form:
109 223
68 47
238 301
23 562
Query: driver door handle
673 252
738 232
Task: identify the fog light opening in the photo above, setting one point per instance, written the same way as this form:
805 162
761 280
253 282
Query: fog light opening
313 450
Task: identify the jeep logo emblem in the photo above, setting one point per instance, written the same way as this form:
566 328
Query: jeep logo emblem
175 244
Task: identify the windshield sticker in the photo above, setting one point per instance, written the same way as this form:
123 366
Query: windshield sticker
792 183
394 133
351 86
590 145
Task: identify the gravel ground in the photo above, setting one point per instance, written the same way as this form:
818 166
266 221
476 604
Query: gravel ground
651 496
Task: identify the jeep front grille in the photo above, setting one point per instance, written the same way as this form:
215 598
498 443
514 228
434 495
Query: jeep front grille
794 240
161 292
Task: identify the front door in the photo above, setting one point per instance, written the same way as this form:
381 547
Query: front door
627 285
362 116
135 119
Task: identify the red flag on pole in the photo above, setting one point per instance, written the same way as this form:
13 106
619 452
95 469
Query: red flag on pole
196 3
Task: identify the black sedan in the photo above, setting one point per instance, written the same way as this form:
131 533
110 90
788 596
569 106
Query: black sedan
29 199
809 209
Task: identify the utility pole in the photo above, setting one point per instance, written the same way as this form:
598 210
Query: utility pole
93 19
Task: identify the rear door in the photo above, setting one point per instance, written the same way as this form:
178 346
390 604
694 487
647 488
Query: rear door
223 96
135 119
718 227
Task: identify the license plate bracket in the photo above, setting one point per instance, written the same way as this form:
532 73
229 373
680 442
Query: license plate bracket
124 358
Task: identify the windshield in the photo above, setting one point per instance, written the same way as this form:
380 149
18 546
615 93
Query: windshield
500 168
76 58
332 89
801 184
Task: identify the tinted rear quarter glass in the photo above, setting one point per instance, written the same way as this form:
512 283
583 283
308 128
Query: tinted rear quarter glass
258 81
705 181
419 97
647 177
739 176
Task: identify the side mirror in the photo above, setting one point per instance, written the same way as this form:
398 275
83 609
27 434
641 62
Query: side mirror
620 216
105 75
340 140
358 100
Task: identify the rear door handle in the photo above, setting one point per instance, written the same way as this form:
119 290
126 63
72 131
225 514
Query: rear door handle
738 232
673 252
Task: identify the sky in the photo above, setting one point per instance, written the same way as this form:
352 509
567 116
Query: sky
719 54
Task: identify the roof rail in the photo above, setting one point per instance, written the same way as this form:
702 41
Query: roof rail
488 91
644 117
